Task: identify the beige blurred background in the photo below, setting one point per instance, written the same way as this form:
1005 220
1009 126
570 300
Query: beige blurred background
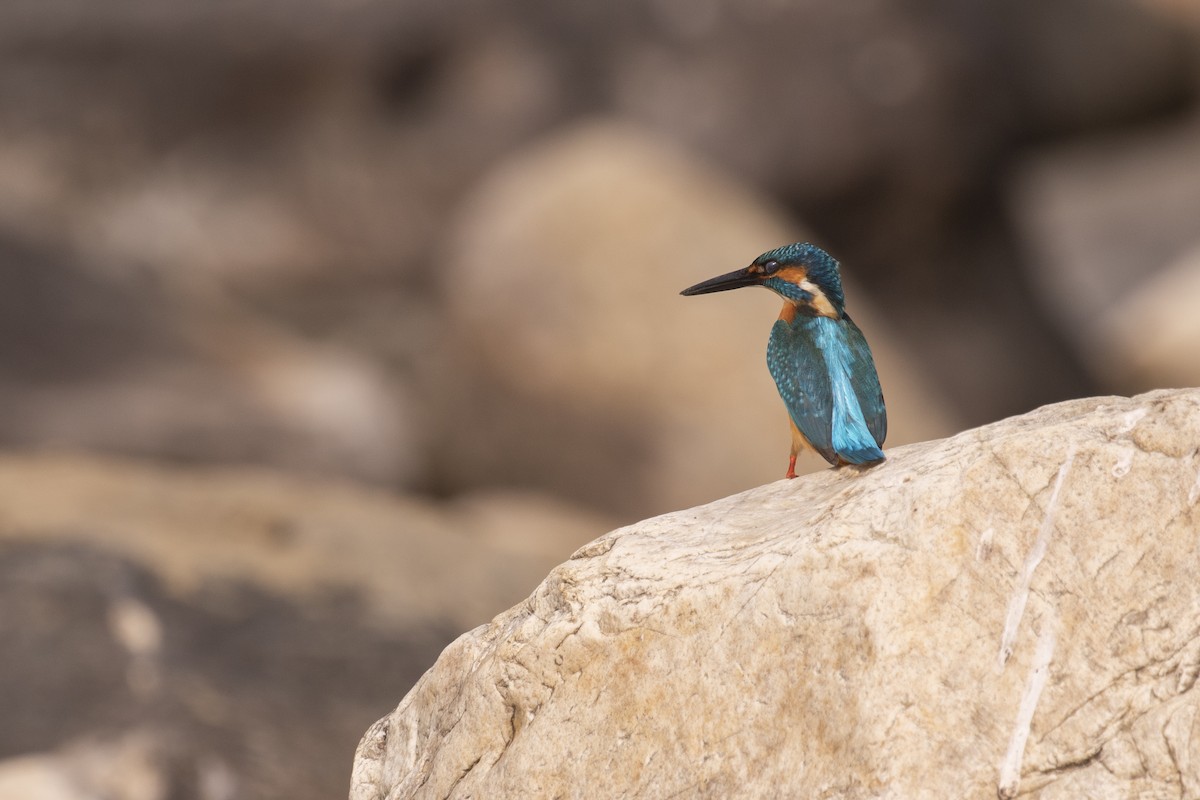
327 328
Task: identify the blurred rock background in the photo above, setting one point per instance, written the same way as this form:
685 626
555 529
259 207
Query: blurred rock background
327 328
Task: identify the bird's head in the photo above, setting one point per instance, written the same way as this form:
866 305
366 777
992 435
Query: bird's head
801 273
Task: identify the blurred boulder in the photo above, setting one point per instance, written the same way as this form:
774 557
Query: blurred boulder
116 363
1078 65
1101 223
294 167
1185 10
228 230
577 364
1153 337
114 686
137 765
183 633
821 99
883 122
293 537
318 153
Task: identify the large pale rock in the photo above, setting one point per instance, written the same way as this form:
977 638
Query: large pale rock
1013 609
591 374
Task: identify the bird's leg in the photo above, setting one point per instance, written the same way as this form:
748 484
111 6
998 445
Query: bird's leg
798 444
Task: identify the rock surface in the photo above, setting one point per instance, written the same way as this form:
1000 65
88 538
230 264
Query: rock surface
1011 610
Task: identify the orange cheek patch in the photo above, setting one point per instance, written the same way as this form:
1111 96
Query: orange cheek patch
792 274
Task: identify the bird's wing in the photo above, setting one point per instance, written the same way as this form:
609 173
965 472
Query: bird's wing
801 374
865 381
827 379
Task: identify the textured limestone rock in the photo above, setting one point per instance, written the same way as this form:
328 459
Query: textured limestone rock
1012 610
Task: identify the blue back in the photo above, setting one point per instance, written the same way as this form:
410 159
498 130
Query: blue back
826 376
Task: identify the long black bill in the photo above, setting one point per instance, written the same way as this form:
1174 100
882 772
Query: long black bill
723 283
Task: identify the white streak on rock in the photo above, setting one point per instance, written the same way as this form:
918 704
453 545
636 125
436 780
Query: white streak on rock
1131 419
1194 492
1189 670
1121 468
984 548
1039 672
1016 604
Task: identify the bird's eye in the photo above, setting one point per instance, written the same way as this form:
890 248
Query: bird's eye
771 267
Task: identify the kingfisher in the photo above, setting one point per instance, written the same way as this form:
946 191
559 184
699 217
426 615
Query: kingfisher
818 357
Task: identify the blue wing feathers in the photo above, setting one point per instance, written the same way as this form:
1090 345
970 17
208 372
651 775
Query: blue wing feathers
803 382
865 380
826 377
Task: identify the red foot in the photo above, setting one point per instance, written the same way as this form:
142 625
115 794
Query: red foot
791 473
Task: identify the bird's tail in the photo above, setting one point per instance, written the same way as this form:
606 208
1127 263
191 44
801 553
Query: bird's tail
862 456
